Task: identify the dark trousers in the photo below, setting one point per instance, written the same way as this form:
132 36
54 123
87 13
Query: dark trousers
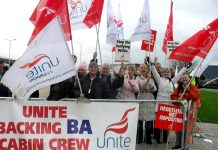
158 133
139 136
148 131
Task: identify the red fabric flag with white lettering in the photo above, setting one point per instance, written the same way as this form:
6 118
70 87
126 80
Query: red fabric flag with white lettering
169 31
93 15
149 45
45 11
197 45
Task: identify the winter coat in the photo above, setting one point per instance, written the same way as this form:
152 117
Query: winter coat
59 90
114 83
165 85
93 89
126 91
4 91
191 94
146 87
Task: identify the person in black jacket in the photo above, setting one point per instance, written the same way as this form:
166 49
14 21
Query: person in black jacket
62 89
92 86
114 82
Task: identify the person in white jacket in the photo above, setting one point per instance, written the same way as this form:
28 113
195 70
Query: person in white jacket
165 89
146 109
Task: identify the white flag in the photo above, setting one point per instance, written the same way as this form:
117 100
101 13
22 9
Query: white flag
119 23
78 10
111 25
143 29
211 56
46 61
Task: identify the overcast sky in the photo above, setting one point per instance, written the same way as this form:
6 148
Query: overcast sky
189 17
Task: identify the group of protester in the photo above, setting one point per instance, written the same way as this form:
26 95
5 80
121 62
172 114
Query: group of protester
148 82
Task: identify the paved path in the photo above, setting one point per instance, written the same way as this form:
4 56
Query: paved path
210 132
211 90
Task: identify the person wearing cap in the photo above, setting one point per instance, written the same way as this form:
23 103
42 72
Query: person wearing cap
114 81
92 86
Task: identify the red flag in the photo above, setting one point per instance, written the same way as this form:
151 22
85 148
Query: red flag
199 44
145 43
208 38
45 11
169 31
93 15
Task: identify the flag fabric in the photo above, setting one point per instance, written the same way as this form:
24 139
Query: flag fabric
45 11
111 25
208 38
169 31
212 56
119 23
93 15
78 10
143 29
114 26
145 44
197 45
46 61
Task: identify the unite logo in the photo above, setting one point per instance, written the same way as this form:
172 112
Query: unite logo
41 66
119 23
116 141
77 7
74 3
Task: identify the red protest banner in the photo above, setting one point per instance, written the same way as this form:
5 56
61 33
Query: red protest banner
192 124
169 117
145 43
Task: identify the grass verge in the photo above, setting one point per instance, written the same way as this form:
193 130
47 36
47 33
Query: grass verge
209 107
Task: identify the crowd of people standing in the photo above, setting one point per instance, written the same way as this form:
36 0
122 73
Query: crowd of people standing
149 82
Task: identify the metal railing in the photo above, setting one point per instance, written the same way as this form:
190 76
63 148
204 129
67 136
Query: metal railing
183 108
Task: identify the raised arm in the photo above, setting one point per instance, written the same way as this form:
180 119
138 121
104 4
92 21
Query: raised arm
176 78
155 74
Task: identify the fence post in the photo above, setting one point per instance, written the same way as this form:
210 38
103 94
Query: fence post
187 124
183 124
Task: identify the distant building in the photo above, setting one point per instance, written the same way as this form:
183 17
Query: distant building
211 73
4 62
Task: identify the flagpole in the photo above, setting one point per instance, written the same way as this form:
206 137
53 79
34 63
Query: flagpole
72 50
149 48
155 49
165 61
180 98
210 81
97 28
191 80
112 58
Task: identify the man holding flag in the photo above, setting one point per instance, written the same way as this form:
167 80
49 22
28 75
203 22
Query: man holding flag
47 59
